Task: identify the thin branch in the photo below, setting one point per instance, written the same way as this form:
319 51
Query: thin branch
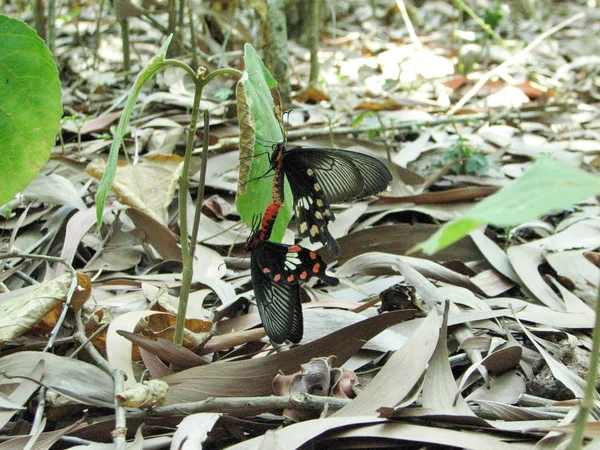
245 406
406 125
409 26
120 431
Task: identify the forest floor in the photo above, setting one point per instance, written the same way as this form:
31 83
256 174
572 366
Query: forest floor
485 344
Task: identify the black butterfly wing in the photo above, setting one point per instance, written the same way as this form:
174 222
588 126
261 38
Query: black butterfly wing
337 176
283 263
297 329
375 174
279 304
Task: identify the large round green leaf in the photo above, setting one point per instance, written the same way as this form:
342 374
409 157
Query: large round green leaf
30 107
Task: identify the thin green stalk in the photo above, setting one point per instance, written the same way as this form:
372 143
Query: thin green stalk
124 22
187 254
201 183
184 185
587 402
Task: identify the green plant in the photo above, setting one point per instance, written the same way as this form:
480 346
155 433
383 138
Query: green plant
200 79
466 160
494 14
547 186
30 106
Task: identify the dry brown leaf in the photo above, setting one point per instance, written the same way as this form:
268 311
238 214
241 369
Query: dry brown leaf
400 374
574 265
21 394
384 264
311 94
68 376
20 314
494 255
166 350
118 349
154 232
54 190
440 392
45 441
148 186
506 388
404 432
398 239
544 315
77 227
254 377
294 436
93 125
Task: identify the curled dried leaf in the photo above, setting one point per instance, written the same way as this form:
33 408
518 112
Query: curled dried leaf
146 395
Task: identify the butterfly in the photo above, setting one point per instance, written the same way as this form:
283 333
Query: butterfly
319 177
276 271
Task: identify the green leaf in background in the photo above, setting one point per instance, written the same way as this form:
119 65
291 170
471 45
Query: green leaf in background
30 106
548 185
260 128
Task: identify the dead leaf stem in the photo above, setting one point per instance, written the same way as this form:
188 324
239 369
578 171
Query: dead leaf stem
245 406
120 431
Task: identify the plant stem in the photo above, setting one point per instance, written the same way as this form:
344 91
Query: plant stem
201 183
313 41
587 402
184 185
124 22
187 254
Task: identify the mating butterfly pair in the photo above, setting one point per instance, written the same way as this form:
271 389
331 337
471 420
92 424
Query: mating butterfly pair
276 270
317 177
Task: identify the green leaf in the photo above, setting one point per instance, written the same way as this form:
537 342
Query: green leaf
547 186
30 106
257 95
109 173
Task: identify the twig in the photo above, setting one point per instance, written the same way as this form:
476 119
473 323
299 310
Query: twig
226 143
509 62
120 431
409 26
245 406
